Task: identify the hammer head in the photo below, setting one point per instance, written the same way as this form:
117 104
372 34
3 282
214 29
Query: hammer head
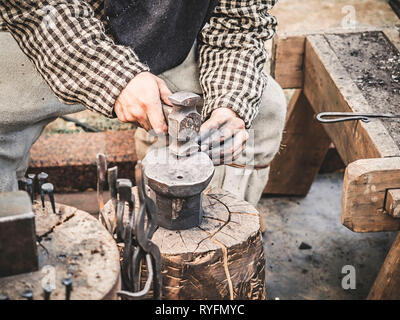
184 121
184 99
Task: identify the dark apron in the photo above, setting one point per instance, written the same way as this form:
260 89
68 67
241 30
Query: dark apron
161 32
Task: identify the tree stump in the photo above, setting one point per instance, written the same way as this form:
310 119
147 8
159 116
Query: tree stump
72 242
223 258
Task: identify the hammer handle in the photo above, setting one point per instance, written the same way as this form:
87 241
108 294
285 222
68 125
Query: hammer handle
166 110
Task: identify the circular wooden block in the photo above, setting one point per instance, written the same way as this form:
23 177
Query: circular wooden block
223 258
72 242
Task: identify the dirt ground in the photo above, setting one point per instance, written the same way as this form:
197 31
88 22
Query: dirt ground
314 221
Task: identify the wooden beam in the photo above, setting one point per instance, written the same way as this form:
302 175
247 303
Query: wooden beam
365 185
304 147
392 205
288 51
387 284
328 87
287 61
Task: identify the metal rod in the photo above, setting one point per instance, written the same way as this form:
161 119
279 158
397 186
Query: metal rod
334 117
83 125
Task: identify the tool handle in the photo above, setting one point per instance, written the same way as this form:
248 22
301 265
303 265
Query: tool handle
166 110
334 117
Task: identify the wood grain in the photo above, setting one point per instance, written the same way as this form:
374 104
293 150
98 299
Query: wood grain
392 205
223 258
73 242
288 52
328 87
287 60
387 284
365 184
304 147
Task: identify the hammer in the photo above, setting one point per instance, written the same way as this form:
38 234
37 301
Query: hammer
183 123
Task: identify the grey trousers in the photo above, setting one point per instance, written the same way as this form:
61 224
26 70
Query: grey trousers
27 105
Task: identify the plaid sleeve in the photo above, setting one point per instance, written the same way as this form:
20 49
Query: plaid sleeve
232 56
67 43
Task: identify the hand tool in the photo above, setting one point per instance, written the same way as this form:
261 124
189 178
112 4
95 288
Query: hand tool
101 162
42 177
124 187
183 123
29 187
22 184
17 220
138 236
334 117
179 173
112 176
67 283
48 188
35 189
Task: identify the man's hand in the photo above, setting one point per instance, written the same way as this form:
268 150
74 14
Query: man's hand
140 102
228 136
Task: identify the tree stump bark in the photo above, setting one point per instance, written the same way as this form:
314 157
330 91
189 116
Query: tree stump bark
72 242
223 258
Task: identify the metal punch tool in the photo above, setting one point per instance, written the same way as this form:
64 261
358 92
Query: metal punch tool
334 117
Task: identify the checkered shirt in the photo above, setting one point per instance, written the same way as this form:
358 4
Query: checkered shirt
69 46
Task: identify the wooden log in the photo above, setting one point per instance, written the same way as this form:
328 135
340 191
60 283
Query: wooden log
365 185
329 87
304 147
72 242
392 205
387 284
223 258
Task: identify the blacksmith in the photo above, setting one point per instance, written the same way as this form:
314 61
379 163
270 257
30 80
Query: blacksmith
121 58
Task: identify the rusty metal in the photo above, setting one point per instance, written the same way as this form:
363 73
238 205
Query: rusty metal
138 247
183 123
101 162
42 178
48 188
176 187
178 174
27 184
112 177
334 117
67 283
17 220
124 187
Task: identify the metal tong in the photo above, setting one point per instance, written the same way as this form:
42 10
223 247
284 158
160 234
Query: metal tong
334 117
138 245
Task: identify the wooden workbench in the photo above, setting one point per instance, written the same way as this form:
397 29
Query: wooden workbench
344 71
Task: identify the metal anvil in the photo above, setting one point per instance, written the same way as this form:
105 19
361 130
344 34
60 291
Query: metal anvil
178 174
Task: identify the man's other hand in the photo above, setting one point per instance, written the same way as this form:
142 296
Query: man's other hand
227 136
140 102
